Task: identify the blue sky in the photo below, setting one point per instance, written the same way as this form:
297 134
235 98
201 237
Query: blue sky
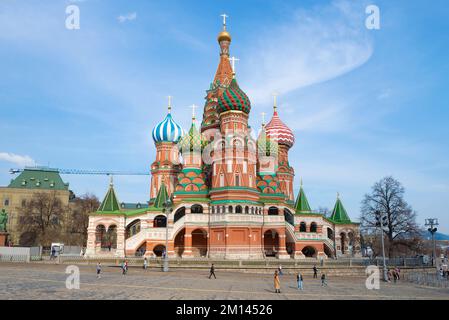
363 103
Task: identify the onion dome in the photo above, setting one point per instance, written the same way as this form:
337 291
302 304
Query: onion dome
265 145
224 36
192 140
233 98
279 132
167 130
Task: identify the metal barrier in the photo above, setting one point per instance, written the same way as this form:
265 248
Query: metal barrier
427 279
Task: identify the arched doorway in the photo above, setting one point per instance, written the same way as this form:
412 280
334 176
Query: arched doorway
271 243
196 208
330 234
289 217
343 242
181 212
199 242
180 242
132 229
273 211
350 242
109 239
309 252
159 250
160 222
238 209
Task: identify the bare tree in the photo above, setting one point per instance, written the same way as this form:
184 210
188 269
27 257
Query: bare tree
79 219
324 211
43 217
387 197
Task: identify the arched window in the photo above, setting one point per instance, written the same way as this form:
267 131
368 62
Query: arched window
237 180
246 209
273 211
330 233
181 212
230 209
238 209
302 227
313 227
289 217
196 208
160 222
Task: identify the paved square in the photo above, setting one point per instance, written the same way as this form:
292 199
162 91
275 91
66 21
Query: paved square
45 281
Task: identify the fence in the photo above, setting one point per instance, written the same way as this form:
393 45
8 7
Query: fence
15 254
427 279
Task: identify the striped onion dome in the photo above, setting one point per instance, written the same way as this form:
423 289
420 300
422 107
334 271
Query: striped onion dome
265 145
279 132
167 130
233 98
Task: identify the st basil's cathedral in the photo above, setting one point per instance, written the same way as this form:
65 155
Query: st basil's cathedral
218 192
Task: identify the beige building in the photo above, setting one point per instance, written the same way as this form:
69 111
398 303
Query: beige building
23 188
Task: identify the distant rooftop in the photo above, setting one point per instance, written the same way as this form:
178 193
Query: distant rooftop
39 178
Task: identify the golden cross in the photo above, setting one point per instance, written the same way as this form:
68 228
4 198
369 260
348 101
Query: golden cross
193 106
275 95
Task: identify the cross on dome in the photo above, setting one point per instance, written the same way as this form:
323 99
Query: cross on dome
275 95
169 103
263 118
193 106
224 20
233 60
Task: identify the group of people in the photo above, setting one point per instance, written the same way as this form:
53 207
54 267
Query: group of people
124 267
299 279
394 274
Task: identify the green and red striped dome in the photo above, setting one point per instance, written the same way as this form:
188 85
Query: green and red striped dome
233 98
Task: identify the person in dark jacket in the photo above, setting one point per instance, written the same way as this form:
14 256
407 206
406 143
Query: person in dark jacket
315 272
212 271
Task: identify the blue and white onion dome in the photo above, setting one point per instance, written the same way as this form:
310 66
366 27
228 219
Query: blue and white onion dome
167 130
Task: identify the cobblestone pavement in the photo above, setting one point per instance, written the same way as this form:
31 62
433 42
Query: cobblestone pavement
44 281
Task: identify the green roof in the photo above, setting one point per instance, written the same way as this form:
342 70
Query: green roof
162 196
339 214
110 202
302 205
39 178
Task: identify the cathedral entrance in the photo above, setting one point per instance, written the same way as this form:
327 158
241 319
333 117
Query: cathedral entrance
159 250
309 252
199 243
179 242
271 243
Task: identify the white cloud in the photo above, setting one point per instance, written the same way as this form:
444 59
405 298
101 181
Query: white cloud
18 160
314 46
127 17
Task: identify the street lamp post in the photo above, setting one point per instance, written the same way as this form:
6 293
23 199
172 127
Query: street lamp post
432 223
380 221
167 209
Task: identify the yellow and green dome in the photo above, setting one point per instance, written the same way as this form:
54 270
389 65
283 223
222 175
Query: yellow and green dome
192 140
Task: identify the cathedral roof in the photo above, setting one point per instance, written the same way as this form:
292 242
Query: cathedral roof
162 196
233 98
339 214
302 205
167 130
192 140
110 202
265 145
279 132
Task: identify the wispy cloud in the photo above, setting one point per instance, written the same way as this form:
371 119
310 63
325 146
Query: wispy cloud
127 17
16 159
313 47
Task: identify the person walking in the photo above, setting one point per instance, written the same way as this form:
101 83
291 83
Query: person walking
212 271
98 270
315 272
323 280
145 263
277 282
300 280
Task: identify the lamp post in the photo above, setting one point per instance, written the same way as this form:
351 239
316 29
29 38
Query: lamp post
167 209
432 223
380 223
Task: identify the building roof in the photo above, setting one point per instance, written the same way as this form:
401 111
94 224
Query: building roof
162 196
278 131
233 98
39 178
110 202
339 214
302 205
167 130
